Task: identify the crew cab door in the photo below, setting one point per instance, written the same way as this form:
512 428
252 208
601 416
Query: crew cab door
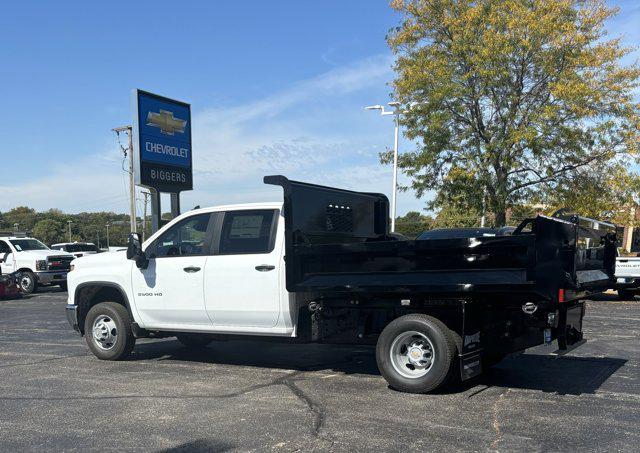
241 281
169 292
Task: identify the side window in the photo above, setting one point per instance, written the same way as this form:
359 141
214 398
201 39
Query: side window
4 248
248 232
186 238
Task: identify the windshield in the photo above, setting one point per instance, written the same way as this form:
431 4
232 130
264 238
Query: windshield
81 248
28 244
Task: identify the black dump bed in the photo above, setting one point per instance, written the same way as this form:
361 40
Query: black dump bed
338 241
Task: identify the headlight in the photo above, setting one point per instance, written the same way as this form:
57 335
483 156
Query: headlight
72 267
41 265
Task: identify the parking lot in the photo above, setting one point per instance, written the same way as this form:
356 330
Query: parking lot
244 395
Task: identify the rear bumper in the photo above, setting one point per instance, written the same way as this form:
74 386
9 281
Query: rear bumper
51 277
72 317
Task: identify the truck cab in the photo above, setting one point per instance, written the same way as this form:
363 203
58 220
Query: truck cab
37 264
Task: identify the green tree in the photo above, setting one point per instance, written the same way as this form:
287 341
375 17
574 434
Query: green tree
509 98
49 231
413 223
605 194
23 216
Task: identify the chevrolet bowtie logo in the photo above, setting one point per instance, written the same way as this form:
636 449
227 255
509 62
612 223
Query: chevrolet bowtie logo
167 123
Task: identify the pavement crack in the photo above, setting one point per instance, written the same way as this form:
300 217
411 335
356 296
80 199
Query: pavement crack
496 420
314 408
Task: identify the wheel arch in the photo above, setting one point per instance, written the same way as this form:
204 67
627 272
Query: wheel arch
89 294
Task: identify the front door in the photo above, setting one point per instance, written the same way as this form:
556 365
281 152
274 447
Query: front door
7 264
242 278
170 292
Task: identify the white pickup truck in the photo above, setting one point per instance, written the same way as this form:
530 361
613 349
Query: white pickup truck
323 267
36 263
627 276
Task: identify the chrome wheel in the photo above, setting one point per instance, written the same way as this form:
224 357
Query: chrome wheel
412 354
25 283
105 332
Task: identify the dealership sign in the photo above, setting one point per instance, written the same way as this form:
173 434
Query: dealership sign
162 143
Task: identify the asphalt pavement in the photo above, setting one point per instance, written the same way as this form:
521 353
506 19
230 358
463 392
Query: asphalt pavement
261 396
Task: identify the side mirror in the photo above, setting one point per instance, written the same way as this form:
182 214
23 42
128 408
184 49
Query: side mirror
134 251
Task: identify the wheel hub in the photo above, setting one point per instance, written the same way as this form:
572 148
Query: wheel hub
104 332
25 282
412 354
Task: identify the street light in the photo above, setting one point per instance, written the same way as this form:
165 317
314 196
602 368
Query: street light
69 222
396 112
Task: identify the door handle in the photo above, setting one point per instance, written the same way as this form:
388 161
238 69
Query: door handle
265 268
191 269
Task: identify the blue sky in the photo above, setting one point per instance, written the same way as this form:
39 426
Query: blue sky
275 87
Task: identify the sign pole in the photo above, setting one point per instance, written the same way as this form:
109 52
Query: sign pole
132 183
156 211
175 205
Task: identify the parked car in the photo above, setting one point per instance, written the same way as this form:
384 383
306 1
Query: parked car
627 277
37 264
77 249
321 267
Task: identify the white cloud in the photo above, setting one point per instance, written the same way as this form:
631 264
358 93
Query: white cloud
315 130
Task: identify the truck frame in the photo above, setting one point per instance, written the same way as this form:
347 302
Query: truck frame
437 310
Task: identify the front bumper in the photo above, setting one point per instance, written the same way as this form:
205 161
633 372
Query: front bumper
51 277
72 317
627 282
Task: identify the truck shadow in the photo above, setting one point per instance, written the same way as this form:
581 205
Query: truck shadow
564 375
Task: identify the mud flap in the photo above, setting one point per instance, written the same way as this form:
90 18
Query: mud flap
570 325
470 365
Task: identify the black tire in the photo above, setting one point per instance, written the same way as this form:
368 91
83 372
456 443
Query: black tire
626 294
28 282
63 286
193 340
123 339
444 353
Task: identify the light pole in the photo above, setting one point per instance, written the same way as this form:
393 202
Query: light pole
396 113
107 236
69 222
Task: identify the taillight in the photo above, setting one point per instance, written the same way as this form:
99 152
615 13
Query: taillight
561 295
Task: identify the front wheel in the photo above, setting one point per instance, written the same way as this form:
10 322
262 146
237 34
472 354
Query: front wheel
415 353
28 282
626 294
107 330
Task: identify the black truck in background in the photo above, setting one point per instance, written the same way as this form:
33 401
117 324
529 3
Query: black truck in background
437 309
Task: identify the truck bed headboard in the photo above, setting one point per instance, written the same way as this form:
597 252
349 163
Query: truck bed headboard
317 214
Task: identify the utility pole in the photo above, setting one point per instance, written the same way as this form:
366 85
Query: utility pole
107 236
69 222
132 185
98 233
144 215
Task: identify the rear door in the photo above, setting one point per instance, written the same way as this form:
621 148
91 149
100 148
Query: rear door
241 279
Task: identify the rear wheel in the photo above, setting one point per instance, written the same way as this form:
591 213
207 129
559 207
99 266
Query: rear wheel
416 353
107 330
194 340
